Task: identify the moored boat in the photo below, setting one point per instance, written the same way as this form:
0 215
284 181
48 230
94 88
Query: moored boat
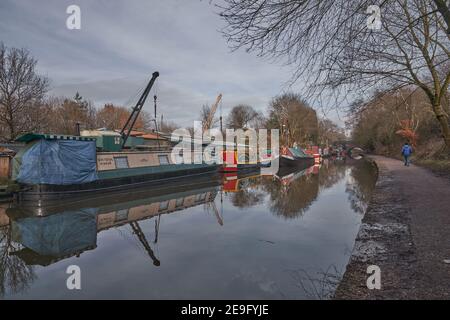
53 167
294 157
233 162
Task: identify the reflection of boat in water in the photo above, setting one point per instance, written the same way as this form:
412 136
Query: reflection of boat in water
294 191
297 171
231 180
57 235
289 175
286 175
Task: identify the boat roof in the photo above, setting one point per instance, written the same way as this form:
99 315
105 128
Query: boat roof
99 132
28 137
298 152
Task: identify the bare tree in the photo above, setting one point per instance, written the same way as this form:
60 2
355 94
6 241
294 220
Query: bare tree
330 132
204 113
114 117
295 118
241 116
444 9
333 49
15 275
169 126
21 90
66 113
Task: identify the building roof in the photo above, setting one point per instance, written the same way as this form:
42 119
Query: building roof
6 151
13 147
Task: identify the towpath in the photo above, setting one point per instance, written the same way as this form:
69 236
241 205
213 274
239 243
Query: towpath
406 232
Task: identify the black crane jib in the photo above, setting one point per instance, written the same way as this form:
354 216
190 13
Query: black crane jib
126 130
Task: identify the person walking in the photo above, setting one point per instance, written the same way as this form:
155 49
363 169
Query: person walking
406 153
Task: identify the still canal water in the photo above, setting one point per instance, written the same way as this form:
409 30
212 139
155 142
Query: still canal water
288 236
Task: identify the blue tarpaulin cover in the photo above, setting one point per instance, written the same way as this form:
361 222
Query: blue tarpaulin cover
60 162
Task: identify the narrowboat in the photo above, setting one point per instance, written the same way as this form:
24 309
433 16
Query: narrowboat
295 157
53 167
232 162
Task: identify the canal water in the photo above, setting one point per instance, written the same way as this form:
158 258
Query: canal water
287 236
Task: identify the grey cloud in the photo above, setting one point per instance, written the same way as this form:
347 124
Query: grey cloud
122 42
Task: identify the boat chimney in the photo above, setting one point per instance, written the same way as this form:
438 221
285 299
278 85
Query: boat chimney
77 129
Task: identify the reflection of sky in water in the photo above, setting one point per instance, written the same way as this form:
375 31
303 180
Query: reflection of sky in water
275 242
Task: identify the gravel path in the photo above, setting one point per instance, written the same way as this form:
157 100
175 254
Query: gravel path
406 232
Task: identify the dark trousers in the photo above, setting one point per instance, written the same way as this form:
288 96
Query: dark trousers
406 160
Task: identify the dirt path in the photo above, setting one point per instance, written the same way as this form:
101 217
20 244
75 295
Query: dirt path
406 232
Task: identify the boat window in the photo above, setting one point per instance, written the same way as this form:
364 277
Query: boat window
121 215
180 202
164 205
163 159
121 162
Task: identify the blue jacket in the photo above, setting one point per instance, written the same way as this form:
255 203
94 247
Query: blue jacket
406 150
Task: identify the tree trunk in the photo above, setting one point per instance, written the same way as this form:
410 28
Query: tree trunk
445 11
12 132
442 117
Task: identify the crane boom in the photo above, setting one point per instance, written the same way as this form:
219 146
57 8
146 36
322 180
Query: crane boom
141 236
126 130
208 123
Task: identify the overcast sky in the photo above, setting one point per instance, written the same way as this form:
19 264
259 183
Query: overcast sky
121 43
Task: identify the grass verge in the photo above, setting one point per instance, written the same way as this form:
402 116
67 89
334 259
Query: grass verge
439 167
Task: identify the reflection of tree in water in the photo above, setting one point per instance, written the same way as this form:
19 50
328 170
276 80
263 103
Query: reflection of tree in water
331 173
321 285
292 200
360 186
249 193
14 273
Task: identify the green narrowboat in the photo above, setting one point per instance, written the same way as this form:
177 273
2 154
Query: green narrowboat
52 167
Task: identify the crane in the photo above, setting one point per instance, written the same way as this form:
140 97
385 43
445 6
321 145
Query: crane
126 130
208 123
